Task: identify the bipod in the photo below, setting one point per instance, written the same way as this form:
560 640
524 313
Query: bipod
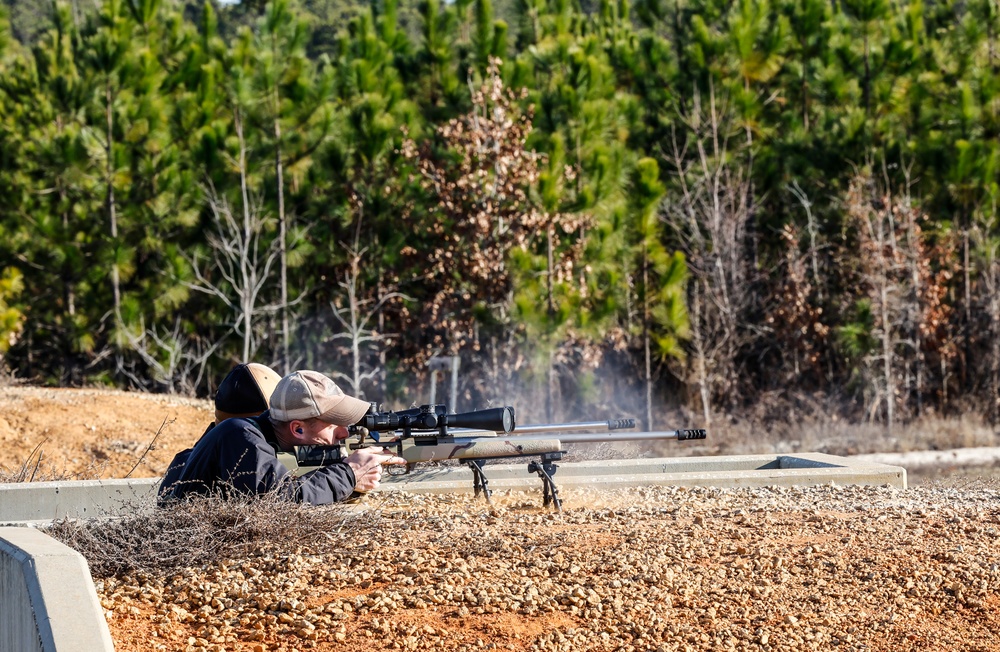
479 481
545 468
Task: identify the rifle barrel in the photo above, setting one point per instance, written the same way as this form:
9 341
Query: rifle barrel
595 437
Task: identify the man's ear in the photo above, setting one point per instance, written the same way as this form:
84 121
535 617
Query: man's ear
298 428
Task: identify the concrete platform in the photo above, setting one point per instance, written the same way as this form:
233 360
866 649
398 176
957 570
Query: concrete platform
718 471
43 502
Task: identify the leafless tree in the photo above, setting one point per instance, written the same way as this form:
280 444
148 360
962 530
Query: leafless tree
355 313
811 231
710 213
171 358
242 253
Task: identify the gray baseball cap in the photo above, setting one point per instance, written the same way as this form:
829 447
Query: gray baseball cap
312 395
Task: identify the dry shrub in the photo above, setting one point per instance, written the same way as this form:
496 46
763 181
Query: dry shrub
204 530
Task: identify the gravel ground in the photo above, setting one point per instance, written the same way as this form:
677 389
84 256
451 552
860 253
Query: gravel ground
825 568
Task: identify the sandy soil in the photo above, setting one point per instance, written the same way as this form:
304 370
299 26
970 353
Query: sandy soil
91 433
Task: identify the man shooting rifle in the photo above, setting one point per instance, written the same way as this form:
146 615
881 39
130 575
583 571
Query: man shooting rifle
239 456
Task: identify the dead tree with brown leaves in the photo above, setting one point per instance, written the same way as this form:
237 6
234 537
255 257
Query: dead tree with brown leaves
480 177
794 318
905 279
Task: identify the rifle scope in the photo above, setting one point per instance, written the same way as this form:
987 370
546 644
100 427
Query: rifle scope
436 417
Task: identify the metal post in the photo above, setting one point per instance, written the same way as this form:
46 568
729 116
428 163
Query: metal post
454 382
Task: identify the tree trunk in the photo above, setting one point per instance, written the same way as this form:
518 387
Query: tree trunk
890 382
246 297
701 372
645 341
967 334
112 214
549 371
282 234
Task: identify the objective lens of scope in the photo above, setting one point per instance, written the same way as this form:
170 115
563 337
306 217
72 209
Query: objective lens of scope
508 419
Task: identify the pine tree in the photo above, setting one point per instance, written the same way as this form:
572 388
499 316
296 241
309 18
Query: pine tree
658 278
293 109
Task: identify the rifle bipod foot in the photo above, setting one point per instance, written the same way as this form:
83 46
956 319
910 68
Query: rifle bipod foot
545 470
480 484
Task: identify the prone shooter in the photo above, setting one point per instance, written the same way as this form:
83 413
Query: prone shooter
429 433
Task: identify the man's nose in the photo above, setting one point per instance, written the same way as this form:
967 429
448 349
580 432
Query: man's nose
340 432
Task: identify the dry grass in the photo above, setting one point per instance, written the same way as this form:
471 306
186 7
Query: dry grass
781 423
203 530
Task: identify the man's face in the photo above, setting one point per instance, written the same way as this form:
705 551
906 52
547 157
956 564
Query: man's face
321 433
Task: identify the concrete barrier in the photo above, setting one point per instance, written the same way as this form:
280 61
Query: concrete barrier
47 598
43 502
717 471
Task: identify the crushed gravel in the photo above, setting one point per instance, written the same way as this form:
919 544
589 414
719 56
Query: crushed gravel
821 568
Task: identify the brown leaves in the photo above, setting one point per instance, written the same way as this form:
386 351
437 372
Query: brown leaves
795 320
483 209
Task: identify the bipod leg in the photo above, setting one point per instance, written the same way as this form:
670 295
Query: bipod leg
545 469
479 481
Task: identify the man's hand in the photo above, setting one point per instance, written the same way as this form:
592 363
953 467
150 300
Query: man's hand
367 464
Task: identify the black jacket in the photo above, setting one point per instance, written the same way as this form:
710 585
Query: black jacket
239 456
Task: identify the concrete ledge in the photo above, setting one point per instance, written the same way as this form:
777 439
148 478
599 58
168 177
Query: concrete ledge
43 502
47 598
717 471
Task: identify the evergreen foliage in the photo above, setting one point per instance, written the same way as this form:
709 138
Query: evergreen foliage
685 202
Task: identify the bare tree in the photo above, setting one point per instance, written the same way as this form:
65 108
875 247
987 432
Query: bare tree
811 230
171 358
243 260
710 214
905 280
355 314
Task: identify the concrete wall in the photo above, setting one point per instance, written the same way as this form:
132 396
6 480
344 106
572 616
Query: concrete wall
44 502
47 598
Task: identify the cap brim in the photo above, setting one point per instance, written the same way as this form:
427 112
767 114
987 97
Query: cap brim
347 412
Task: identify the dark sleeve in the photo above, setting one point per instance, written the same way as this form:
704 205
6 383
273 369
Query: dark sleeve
327 484
175 471
256 470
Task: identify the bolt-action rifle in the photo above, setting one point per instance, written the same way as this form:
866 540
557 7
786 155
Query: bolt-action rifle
429 433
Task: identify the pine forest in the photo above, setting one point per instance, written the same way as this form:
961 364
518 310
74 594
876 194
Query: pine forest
644 208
